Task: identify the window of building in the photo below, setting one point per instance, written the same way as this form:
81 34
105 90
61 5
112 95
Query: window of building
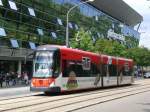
90 32
76 27
58 1
2 32
98 34
31 11
12 5
32 45
1 3
14 43
40 31
102 35
93 39
70 25
54 35
96 18
59 21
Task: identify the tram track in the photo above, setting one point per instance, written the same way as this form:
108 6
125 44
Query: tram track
84 103
49 104
97 103
40 96
34 94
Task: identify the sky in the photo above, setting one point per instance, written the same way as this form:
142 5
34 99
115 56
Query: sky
143 8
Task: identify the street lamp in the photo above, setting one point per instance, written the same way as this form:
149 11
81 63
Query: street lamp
67 25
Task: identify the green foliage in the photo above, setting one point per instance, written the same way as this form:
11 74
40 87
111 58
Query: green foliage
82 41
141 56
46 13
134 42
110 47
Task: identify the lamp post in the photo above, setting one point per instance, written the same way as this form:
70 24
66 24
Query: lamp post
67 20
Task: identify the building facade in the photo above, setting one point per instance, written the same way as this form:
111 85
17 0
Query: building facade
26 24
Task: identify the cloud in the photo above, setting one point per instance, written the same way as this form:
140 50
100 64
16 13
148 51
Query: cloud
142 7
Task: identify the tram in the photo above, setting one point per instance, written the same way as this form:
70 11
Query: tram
58 69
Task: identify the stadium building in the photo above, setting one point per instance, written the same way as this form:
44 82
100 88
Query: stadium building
26 24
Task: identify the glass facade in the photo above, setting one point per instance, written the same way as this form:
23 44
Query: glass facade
26 24
34 20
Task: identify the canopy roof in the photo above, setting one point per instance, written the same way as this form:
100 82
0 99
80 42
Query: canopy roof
119 10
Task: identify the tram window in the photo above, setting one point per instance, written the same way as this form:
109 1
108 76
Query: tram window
64 69
56 68
112 70
104 69
82 72
94 70
126 70
69 66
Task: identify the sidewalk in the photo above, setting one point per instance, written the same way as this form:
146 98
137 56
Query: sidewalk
16 91
18 84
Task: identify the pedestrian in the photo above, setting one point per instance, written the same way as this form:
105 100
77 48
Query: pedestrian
1 80
13 75
7 79
18 77
26 78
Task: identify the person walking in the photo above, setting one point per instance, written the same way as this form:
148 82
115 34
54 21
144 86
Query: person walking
1 80
26 78
13 78
7 79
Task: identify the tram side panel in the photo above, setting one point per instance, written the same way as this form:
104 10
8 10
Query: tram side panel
109 73
125 72
75 77
109 70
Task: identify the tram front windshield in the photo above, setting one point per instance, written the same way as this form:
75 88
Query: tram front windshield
43 64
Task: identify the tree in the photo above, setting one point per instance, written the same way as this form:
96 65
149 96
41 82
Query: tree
141 56
82 41
110 47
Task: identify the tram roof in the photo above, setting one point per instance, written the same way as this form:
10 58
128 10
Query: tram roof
50 47
119 10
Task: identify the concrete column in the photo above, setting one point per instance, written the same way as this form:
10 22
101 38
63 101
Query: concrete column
19 67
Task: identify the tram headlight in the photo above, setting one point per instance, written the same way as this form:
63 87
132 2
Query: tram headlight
52 84
33 82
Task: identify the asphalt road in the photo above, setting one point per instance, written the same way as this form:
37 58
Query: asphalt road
136 103
14 91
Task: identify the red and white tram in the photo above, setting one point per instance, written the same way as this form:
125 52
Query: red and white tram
57 69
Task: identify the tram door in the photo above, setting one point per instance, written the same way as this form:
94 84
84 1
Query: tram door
125 74
109 73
